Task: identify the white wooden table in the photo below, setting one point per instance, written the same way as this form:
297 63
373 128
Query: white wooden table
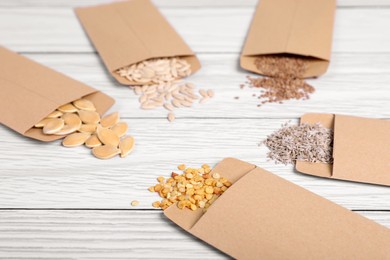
59 203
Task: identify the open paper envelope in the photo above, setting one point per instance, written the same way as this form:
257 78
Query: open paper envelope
30 91
299 27
262 216
128 32
361 149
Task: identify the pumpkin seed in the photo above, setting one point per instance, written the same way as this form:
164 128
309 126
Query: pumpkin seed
53 125
75 139
126 146
42 123
55 114
110 120
120 129
84 104
92 141
89 117
105 151
67 108
87 128
107 136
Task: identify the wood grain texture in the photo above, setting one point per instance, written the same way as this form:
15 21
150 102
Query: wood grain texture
217 30
178 3
356 84
47 175
105 235
99 222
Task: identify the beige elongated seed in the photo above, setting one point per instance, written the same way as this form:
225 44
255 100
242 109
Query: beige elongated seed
105 151
75 139
110 120
55 114
176 103
88 128
171 117
89 117
186 103
42 123
92 141
203 93
84 104
72 120
168 106
67 129
53 125
126 145
67 108
120 129
210 93
107 136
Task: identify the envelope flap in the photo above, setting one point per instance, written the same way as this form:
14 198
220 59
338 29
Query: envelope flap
30 91
230 168
301 27
264 216
362 149
128 32
316 169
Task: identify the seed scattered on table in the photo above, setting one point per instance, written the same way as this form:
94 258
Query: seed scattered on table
304 142
194 188
84 126
135 203
162 85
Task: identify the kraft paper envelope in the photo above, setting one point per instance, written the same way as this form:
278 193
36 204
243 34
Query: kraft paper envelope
128 32
361 149
30 91
262 216
298 27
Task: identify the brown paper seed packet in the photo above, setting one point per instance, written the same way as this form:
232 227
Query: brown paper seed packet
361 149
262 216
291 27
125 33
30 91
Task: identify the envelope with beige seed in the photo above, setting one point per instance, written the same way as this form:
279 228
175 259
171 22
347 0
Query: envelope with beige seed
130 32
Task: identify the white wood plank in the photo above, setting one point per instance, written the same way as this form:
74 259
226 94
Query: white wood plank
178 3
105 235
356 84
205 30
47 175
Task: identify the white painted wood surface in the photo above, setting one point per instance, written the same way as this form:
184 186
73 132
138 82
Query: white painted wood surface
61 203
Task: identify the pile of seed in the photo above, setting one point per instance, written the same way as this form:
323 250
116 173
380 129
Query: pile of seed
285 81
305 142
83 125
194 188
163 87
